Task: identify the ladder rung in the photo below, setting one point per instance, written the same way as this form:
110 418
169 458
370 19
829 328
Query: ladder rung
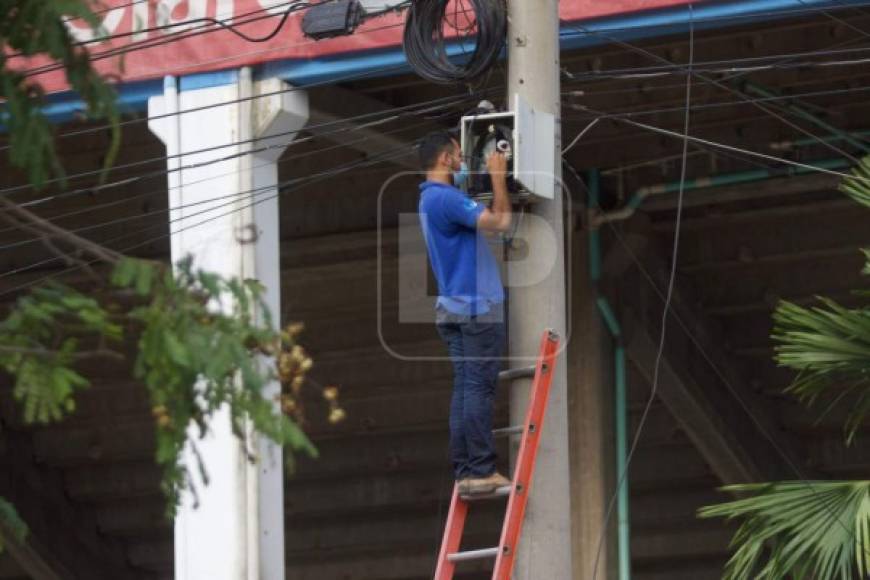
507 431
473 555
517 373
499 492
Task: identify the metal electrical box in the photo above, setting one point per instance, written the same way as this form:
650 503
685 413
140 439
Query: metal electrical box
526 136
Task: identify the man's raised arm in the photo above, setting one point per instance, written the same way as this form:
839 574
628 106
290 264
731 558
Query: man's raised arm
497 219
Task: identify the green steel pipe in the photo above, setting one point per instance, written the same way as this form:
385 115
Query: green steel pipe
783 145
621 463
642 193
806 115
738 177
621 394
609 317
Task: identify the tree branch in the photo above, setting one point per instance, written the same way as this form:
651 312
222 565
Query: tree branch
47 229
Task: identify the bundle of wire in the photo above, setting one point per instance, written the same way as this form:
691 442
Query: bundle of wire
426 47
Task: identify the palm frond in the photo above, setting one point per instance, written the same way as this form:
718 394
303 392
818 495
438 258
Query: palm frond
11 525
829 346
799 530
858 185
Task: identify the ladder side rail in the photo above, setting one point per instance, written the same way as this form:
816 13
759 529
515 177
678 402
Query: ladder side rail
526 457
452 536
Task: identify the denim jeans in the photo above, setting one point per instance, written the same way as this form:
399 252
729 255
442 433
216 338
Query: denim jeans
475 345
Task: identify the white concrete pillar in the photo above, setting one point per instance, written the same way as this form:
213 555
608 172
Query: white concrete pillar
225 214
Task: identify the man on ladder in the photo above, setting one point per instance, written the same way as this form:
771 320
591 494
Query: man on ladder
470 305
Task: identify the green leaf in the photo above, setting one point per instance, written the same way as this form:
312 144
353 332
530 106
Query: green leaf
210 282
177 351
124 272
193 358
829 346
144 278
38 28
12 523
816 528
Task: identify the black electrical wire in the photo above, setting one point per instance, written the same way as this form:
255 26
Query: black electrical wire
127 199
783 62
645 111
206 28
202 23
425 45
282 187
146 45
627 73
398 7
712 81
394 113
139 120
441 103
723 66
787 97
207 25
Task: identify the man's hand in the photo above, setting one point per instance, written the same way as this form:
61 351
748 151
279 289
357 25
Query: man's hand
497 219
496 165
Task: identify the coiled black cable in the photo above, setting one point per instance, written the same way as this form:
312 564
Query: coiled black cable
425 45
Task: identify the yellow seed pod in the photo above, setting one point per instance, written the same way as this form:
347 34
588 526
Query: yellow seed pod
297 382
337 415
164 421
285 363
158 410
330 393
306 364
295 329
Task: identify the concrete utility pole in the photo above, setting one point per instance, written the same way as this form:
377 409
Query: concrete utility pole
533 72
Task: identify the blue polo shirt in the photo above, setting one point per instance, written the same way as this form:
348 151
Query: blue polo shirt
468 277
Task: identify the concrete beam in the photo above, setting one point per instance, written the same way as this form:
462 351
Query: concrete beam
109 441
334 104
591 426
9 568
705 223
64 542
709 431
32 559
661 549
777 187
730 424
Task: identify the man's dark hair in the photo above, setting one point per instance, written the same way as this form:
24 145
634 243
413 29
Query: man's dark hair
433 145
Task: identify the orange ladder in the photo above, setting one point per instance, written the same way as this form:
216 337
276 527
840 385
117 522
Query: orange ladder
518 492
